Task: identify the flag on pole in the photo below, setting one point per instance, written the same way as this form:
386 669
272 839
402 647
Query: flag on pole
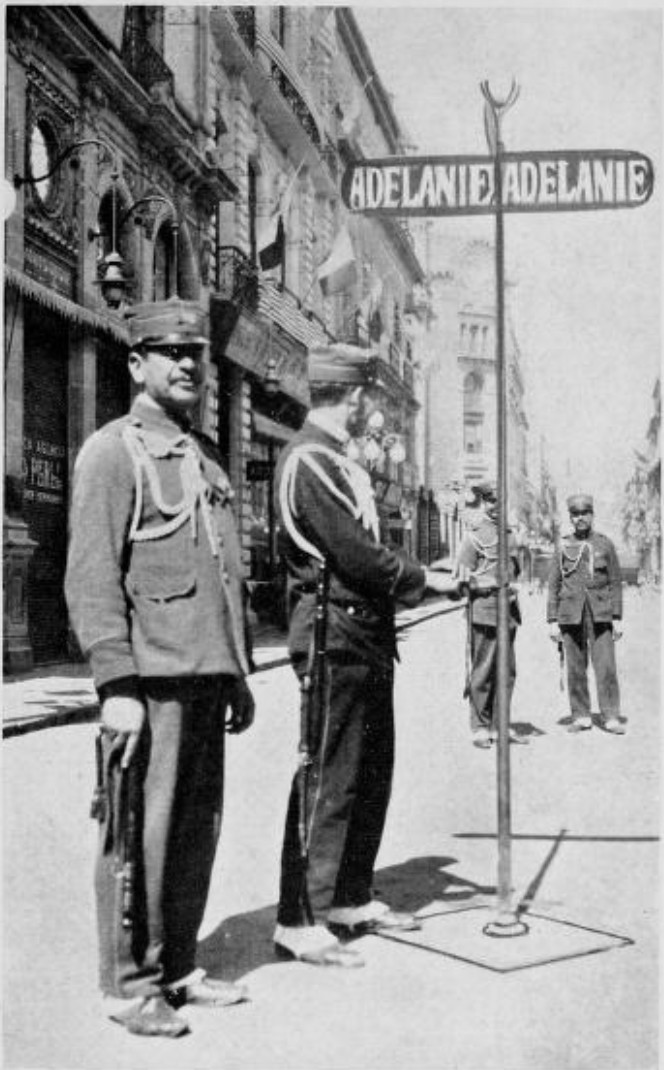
339 270
351 118
272 237
271 242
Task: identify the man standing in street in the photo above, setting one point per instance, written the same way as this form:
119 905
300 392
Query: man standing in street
478 553
155 593
342 586
585 598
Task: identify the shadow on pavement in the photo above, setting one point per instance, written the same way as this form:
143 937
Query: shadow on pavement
525 728
243 942
414 884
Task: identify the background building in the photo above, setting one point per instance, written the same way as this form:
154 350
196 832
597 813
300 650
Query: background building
642 501
460 419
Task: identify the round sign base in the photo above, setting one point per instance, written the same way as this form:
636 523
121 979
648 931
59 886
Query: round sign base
506 924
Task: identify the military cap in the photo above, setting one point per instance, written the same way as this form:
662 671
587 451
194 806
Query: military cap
168 323
580 503
340 362
487 491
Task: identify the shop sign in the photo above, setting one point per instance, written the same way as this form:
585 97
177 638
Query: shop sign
531 182
43 471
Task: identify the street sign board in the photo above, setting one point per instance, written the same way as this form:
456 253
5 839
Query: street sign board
531 182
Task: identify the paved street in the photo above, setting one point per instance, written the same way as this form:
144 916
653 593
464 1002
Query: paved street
585 816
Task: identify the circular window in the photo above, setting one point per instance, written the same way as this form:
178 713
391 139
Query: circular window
42 155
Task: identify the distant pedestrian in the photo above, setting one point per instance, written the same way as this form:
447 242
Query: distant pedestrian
584 604
155 592
342 588
478 553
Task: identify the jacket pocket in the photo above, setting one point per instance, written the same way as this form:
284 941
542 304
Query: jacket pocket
158 576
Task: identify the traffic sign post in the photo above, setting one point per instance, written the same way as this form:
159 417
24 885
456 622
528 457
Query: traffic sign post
506 922
495 185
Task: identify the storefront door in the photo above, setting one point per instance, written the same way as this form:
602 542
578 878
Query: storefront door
45 478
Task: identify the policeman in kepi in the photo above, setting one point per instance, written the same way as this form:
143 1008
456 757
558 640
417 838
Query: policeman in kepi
584 604
479 554
343 583
155 592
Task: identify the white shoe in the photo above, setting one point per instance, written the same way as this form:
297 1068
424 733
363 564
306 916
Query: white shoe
373 916
482 738
580 724
612 724
313 944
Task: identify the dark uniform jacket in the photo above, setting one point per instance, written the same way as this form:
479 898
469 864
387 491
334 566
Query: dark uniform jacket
479 552
326 507
154 576
584 571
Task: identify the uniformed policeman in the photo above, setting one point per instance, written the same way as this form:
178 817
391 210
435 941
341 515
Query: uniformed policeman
479 553
328 519
585 599
155 592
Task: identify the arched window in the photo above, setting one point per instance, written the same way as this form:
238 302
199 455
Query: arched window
164 282
473 385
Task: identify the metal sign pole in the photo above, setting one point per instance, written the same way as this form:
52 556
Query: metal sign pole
506 922
503 182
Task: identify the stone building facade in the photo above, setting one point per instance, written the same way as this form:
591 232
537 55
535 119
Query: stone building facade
173 137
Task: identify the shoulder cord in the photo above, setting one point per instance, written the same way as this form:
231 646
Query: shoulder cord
358 509
195 490
574 562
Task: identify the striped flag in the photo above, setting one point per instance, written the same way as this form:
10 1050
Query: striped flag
339 270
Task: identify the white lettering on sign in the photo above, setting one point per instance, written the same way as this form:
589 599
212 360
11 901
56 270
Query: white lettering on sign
530 182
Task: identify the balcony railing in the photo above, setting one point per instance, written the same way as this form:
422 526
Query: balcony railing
293 98
240 281
145 63
287 80
237 278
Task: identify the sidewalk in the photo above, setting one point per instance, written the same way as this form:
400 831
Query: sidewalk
62 694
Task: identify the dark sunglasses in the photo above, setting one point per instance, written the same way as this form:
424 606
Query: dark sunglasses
175 352
580 512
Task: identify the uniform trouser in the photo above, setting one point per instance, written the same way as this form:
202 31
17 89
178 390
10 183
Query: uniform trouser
482 688
178 767
348 793
594 638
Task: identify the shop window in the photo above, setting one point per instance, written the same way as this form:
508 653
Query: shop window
262 532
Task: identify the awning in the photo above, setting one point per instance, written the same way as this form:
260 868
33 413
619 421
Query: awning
268 428
69 310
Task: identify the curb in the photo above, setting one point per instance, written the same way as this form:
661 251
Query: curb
86 713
